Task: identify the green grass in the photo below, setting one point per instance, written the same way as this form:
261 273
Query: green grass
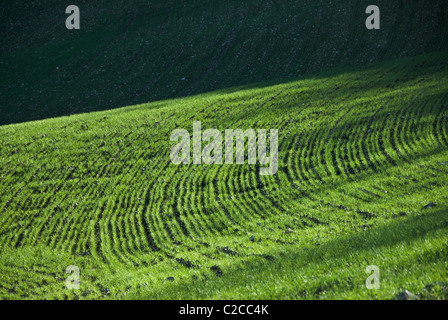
361 152
134 51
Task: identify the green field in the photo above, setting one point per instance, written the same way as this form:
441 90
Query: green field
134 51
363 156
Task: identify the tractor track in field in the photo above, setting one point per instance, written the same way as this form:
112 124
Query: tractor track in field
119 200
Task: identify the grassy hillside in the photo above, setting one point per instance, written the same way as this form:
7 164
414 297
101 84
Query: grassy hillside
361 154
131 52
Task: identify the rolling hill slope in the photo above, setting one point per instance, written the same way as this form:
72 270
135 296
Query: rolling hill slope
362 180
131 52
